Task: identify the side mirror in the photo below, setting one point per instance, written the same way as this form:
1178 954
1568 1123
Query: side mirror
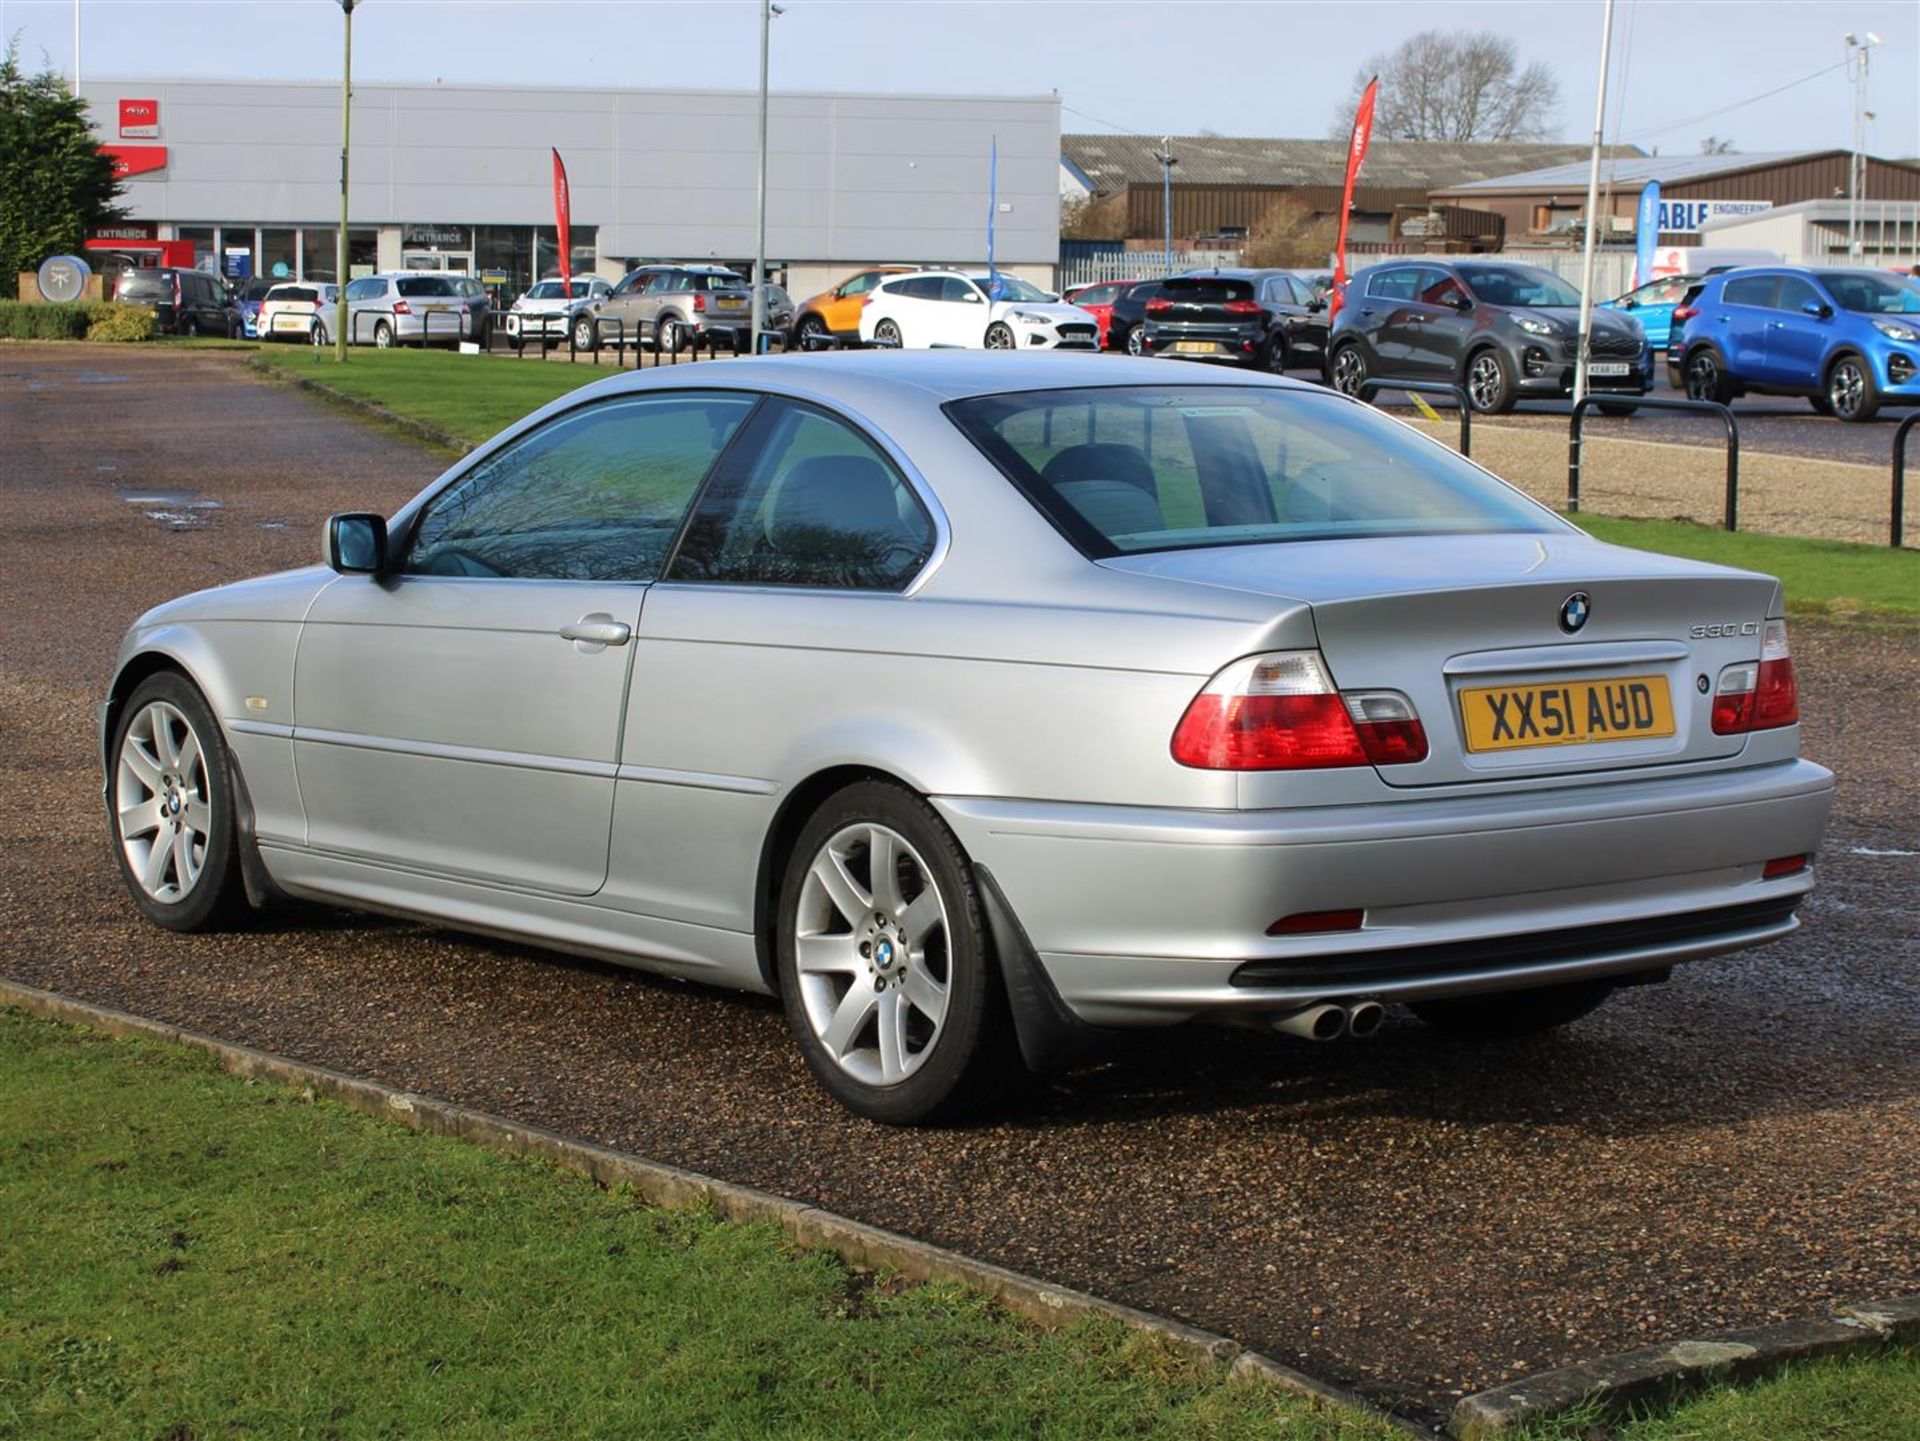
357 543
1628 303
972 297
1818 309
1317 304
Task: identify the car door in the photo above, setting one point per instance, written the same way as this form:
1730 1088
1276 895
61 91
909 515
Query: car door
1798 334
962 313
772 628
914 306
460 716
1439 344
624 305
1388 314
1745 313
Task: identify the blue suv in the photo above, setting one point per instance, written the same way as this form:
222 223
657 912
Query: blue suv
1848 340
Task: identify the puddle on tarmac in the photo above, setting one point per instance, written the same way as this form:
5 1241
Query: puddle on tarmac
74 377
175 509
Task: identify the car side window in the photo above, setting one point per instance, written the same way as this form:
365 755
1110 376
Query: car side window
1795 293
858 285
595 494
1398 284
1440 288
1751 290
921 287
365 289
813 503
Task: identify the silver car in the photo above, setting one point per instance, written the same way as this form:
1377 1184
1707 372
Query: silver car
978 702
426 307
671 307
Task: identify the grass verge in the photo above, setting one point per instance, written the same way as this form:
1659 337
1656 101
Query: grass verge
1830 579
473 397
189 1255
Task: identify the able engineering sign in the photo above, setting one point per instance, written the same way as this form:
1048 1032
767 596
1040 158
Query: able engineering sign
1685 217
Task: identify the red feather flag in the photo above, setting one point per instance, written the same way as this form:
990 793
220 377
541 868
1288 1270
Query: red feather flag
1356 157
563 221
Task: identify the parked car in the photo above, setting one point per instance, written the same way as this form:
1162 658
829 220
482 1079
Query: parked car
1128 314
940 308
670 307
1653 305
299 311
249 295
835 314
422 306
1499 331
1847 340
184 302
778 308
546 312
479 307
1265 318
970 722
1097 300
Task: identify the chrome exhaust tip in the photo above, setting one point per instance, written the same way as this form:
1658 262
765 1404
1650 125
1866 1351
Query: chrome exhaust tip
1364 1018
1314 1023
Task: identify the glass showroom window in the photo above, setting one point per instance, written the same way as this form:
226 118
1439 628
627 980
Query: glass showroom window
317 244
205 257
279 257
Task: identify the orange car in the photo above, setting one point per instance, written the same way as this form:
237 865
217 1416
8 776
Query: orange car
836 312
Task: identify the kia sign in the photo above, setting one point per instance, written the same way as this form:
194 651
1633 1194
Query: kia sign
1685 217
136 159
139 119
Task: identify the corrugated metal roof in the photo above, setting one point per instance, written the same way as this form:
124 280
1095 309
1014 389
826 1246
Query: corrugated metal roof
1639 169
1111 162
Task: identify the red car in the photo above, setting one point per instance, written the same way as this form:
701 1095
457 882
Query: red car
1097 299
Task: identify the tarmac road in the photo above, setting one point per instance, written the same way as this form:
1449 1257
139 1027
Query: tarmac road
1409 1215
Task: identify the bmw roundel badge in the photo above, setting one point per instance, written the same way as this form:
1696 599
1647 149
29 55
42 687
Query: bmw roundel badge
1574 611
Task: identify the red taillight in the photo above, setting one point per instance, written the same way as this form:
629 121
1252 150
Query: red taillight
1758 695
1783 866
1238 307
699 301
400 307
1159 305
1313 923
1684 313
1281 712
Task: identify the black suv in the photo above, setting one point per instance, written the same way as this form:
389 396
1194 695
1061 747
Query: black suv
184 302
1268 318
1497 330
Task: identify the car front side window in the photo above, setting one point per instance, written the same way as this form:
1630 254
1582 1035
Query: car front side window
810 502
596 494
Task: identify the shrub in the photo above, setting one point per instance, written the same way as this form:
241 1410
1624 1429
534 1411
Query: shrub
1290 233
115 321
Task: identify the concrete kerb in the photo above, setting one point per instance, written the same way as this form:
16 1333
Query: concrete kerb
854 1242
1659 1374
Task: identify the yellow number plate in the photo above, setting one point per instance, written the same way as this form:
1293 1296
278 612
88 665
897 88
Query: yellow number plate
1569 713
1194 347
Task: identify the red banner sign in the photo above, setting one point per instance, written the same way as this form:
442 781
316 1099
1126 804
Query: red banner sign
139 119
1356 157
563 221
136 159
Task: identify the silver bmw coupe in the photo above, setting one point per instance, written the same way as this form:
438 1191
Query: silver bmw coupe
981 706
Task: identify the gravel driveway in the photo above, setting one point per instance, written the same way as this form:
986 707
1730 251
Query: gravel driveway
1412 1216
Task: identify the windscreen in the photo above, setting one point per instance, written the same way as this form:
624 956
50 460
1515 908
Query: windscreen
1870 294
1125 469
1001 286
1518 285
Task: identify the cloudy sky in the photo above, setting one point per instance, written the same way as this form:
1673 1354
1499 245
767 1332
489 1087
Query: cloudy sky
1768 74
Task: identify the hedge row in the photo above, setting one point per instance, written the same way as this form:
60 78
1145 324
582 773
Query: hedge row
89 320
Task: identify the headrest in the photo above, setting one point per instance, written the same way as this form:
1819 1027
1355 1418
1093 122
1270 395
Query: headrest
1101 461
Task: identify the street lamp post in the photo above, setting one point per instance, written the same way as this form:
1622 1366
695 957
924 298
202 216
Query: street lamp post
340 243
1857 52
1167 162
759 322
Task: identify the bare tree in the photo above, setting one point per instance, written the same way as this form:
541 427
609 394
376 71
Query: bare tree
1714 145
1456 85
1289 233
1094 217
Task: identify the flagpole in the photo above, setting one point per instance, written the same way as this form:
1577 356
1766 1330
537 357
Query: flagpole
1593 203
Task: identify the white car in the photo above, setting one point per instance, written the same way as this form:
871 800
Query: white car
300 312
937 309
546 311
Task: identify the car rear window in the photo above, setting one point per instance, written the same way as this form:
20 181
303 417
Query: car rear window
144 285
723 281
425 285
1208 290
1125 469
293 293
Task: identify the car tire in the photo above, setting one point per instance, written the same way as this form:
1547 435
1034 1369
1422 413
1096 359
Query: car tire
811 333
1348 369
1705 377
1616 408
1513 1013
1489 382
1136 341
317 336
382 335
585 335
513 342
192 327
1000 337
669 336
1821 405
1851 389
1273 355
170 807
895 1000
887 333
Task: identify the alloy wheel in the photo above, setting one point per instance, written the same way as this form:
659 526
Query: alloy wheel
999 336
1485 381
162 808
1846 389
1349 371
871 951
1136 342
887 333
1703 377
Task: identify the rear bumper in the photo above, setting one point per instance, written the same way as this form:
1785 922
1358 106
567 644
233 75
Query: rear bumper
1148 917
1240 344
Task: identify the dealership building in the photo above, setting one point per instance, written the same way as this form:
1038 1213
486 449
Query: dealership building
243 178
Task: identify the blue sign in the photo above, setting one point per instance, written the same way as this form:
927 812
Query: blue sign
1687 216
239 264
1646 230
